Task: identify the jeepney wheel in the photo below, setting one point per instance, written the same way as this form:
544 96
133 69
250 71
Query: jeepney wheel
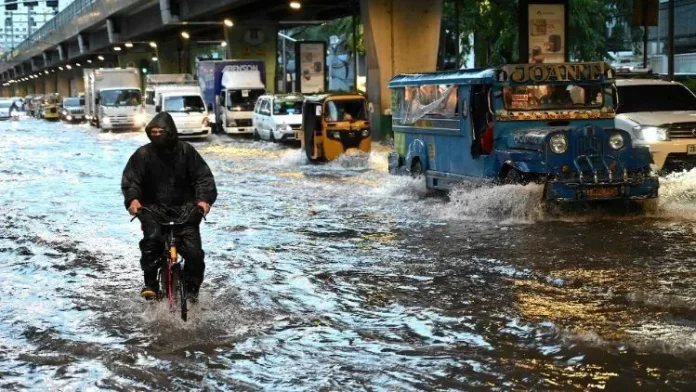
416 169
513 177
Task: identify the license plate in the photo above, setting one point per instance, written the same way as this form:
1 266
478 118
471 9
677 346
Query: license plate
691 149
601 192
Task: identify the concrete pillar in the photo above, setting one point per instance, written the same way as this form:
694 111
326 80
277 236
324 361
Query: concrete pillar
400 36
50 84
63 87
39 86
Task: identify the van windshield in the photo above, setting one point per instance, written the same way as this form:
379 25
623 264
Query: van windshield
244 100
283 107
189 103
655 98
130 97
5 104
73 102
553 97
346 110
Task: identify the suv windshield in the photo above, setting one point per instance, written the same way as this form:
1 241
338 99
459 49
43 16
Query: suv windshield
283 107
346 110
189 103
244 99
73 102
120 97
553 97
655 98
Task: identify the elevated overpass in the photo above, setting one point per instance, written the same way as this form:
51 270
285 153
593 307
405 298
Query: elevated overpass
401 36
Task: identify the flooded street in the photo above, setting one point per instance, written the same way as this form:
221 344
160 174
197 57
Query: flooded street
335 277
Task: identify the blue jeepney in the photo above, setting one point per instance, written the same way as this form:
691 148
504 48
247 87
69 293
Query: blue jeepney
551 124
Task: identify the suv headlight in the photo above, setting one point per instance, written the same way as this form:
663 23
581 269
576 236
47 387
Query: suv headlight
558 143
616 141
651 134
140 118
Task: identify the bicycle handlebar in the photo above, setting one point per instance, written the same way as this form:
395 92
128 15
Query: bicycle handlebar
167 222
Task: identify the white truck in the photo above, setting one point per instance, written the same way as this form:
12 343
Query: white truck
232 87
113 98
180 96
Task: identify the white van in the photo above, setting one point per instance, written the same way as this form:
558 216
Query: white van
183 101
278 117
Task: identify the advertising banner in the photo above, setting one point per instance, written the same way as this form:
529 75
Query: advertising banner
311 73
547 40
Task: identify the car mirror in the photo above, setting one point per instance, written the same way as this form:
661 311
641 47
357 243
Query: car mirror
158 108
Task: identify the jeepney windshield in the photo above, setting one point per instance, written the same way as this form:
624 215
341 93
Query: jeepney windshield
346 110
553 97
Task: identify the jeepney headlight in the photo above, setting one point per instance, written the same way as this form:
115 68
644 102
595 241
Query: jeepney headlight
651 134
365 133
616 141
558 143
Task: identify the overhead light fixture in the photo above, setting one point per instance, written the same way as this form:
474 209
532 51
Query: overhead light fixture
223 43
53 71
100 57
117 48
61 68
296 5
68 66
89 61
229 23
78 64
154 58
46 72
128 44
153 44
185 35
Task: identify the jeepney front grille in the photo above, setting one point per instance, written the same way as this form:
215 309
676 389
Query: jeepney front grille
589 145
682 131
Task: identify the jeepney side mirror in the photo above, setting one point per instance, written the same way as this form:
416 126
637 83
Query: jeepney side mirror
158 108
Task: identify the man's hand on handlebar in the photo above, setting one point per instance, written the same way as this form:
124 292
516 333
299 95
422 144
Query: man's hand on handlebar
134 207
204 206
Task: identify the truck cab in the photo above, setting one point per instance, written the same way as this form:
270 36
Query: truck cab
113 98
240 90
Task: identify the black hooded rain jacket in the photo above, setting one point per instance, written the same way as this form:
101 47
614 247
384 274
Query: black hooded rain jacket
167 172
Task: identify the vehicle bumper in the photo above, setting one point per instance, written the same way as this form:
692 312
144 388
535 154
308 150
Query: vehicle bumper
626 190
239 130
74 117
285 136
673 155
194 133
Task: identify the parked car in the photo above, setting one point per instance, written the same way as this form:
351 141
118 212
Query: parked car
662 115
73 109
6 109
278 117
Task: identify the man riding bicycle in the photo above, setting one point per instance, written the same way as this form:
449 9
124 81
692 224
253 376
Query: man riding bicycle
170 177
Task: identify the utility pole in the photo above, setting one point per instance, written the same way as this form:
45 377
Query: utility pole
670 45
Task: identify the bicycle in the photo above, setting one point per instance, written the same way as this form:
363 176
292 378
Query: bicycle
170 277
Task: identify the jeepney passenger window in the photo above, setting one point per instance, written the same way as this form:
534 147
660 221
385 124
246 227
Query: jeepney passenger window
435 101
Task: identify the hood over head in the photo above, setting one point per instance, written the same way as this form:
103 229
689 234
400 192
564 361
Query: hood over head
166 122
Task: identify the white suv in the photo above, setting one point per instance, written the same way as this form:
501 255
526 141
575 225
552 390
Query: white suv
661 115
277 117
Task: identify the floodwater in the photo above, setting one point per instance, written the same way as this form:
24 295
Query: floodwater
335 277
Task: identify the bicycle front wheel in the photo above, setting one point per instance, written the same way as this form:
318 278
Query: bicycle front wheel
179 291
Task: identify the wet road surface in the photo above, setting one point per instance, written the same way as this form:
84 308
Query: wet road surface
336 277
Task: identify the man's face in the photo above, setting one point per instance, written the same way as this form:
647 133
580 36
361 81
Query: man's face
157 132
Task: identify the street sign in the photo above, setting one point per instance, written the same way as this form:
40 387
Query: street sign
645 12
